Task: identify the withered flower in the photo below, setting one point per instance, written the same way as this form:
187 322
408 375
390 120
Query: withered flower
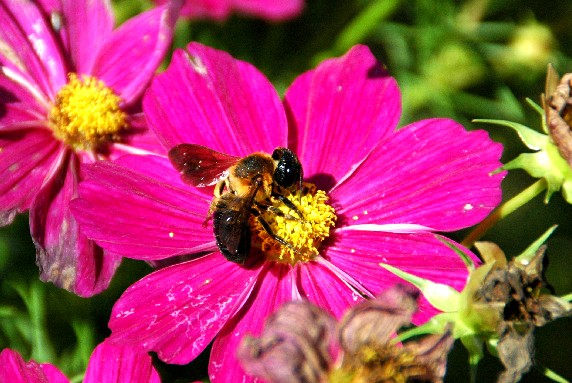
501 305
300 343
513 291
293 346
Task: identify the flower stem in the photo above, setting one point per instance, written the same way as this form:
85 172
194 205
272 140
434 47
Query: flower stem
507 208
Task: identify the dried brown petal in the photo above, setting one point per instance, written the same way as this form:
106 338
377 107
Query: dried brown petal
519 286
432 351
515 349
378 319
422 361
552 308
558 109
293 346
514 292
365 334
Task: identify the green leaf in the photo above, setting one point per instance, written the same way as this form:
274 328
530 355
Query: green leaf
34 299
364 23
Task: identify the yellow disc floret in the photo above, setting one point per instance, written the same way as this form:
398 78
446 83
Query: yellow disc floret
302 234
375 363
86 113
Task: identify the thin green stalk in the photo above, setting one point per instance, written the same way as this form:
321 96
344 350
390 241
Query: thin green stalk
506 209
364 23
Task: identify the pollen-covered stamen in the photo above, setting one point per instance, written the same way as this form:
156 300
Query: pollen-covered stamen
303 235
86 113
375 363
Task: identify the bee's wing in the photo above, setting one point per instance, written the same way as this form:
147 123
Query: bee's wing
199 165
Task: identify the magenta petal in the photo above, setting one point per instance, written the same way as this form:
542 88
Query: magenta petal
16 114
54 10
89 24
128 60
219 10
111 363
53 374
340 111
177 311
25 159
27 40
275 287
153 214
432 173
14 369
206 97
359 253
271 10
327 290
20 96
65 255
198 9
138 139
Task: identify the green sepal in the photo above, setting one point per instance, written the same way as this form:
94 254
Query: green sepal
435 325
469 263
442 297
546 162
540 111
526 256
530 137
480 318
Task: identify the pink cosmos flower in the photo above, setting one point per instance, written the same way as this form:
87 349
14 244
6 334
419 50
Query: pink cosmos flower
70 93
108 363
273 10
389 188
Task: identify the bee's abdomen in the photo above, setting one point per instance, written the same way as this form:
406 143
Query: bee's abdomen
232 234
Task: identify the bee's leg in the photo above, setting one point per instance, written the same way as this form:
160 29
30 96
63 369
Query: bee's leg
219 188
212 209
268 229
290 205
276 211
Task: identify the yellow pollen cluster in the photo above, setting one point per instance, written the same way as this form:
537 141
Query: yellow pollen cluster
302 234
86 113
375 364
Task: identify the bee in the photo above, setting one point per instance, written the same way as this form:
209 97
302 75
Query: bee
243 187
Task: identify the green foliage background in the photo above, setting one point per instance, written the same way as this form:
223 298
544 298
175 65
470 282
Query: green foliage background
459 59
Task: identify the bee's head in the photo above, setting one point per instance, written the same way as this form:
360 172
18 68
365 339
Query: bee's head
288 168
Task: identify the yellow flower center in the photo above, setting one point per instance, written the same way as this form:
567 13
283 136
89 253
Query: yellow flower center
303 235
380 364
86 113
